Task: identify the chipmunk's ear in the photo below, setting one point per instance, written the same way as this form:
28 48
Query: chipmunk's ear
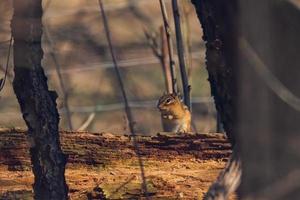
179 95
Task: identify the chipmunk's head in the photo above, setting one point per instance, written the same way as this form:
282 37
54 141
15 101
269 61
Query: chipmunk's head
167 102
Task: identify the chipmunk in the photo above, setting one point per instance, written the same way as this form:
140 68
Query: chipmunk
175 116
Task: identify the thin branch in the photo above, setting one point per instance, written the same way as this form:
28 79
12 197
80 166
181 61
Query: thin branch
152 42
161 52
187 35
180 51
87 122
60 78
9 75
188 51
170 46
2 81
127 109
164 61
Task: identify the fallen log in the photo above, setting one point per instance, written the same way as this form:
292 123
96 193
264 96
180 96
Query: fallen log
102 148
176 165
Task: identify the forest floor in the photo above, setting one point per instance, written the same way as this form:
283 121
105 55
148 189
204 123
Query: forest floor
176 166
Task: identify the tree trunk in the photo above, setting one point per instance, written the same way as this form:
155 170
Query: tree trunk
219 32
38 104
218 20
260 110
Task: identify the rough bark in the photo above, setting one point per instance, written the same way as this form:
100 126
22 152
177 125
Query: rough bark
218 20
37 103
219 32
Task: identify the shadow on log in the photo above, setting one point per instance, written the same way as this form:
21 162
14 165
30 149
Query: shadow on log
176 166
103 148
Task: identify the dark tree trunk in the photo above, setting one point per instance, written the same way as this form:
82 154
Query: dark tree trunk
218 19
260 110
219 32
38 104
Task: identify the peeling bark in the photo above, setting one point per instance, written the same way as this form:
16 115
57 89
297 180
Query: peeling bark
37 103
228 180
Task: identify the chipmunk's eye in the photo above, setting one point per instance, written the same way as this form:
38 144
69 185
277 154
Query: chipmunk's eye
168 101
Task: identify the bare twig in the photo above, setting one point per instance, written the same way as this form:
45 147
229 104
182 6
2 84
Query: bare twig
2 81
164 61
188 51
9 75
170 46
87 122
60 78
127 108
152 42
180 51
161 53
187 35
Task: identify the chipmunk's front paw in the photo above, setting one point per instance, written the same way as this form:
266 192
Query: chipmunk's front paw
167 134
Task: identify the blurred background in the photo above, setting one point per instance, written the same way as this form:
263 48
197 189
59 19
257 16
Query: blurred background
75 44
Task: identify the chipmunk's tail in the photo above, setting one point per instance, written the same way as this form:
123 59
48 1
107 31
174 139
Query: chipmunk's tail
228 180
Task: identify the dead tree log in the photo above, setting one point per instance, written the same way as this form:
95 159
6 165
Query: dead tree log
38 104
100 148
177 166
